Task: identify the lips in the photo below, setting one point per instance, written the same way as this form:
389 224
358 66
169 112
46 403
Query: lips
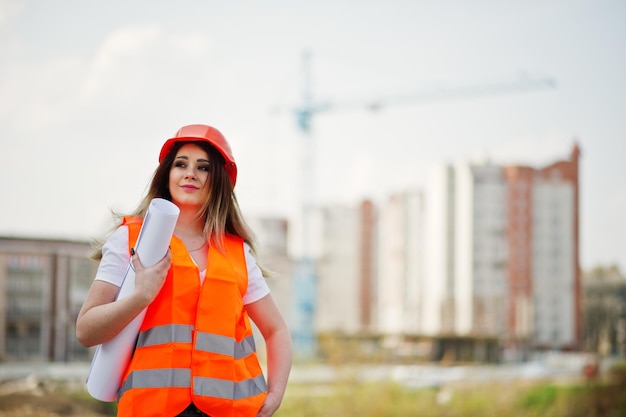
189 187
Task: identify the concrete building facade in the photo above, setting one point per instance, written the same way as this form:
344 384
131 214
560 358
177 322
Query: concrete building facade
42 287
345 282
503 254
480 250
400 266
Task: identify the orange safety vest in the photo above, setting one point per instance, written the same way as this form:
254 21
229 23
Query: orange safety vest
195 343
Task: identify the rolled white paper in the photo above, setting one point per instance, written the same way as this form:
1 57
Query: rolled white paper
112 357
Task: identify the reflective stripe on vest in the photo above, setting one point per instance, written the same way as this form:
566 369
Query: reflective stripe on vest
229 390
165 334
157 378
223 345
180 378
205 342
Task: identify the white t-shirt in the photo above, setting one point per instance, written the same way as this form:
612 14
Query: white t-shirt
115 260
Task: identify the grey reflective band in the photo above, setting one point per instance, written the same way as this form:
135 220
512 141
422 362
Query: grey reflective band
165 334
157 378
207 387
229 390
208 342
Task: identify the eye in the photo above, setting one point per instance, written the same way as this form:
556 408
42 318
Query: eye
204 167
180 164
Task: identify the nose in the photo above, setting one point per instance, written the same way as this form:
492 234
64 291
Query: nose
190 173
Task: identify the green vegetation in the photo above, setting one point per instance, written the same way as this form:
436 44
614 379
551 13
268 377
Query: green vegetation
511 400
602 398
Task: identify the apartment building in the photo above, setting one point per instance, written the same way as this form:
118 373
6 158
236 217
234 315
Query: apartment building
345 270
400 265
502 258
604 311
43 283
550 237
480 274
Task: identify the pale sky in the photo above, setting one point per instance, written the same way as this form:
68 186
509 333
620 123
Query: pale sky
90 90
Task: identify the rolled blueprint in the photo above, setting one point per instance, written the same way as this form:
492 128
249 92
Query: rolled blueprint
111 358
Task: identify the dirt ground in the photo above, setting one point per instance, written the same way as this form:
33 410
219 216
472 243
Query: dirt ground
36 398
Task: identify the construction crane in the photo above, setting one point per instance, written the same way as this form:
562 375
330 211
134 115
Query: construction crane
305 274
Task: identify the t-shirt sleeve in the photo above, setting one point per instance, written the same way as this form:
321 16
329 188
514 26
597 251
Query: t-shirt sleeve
257 286
115 258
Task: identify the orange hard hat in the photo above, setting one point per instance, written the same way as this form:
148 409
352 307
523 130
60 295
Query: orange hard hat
204 133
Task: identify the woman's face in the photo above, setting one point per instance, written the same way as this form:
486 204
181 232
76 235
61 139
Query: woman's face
189 177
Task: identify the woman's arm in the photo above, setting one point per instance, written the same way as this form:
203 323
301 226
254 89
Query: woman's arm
102 317
268 319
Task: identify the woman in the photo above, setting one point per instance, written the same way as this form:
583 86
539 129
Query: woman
195 353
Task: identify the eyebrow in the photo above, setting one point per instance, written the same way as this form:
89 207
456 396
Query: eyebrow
187 158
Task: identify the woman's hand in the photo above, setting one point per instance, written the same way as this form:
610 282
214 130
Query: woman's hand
149 281
271 404
102 317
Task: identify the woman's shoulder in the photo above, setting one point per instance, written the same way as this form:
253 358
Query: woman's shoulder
119 237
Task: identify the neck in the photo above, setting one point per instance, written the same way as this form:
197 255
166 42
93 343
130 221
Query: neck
188 224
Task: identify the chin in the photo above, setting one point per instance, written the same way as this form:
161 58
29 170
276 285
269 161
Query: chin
188 204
